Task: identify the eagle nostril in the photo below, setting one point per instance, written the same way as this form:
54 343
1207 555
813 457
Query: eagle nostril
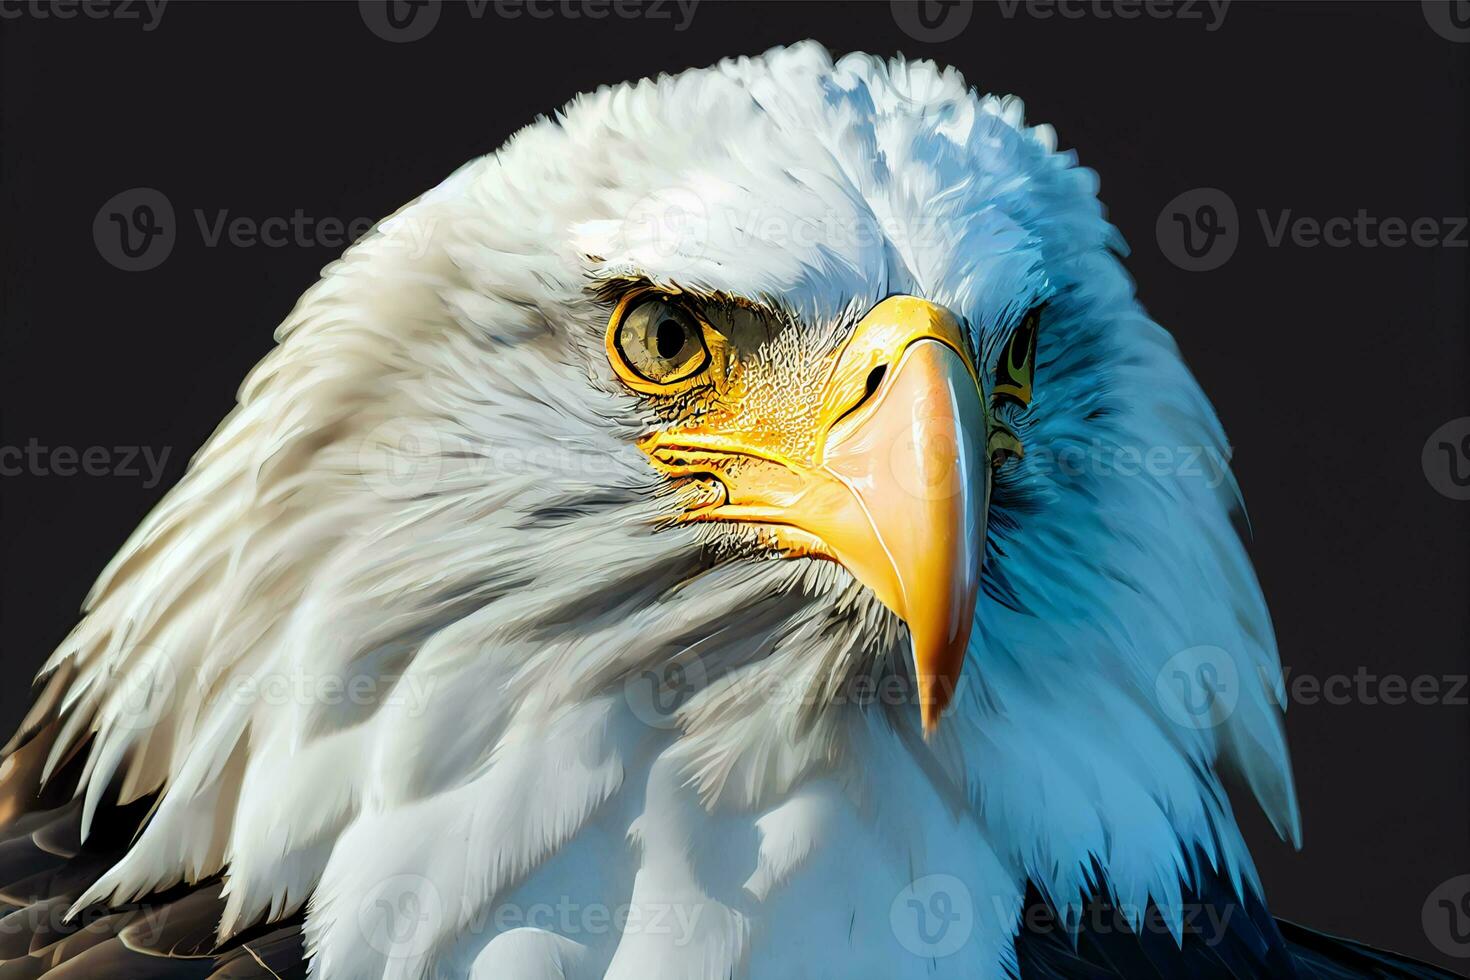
875 379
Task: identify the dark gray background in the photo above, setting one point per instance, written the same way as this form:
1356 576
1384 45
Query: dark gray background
1330 366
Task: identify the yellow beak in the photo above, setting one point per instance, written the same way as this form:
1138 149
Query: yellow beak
897 487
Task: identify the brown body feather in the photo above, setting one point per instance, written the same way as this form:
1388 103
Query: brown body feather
45 866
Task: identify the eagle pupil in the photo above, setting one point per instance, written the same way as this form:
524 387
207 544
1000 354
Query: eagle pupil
670 339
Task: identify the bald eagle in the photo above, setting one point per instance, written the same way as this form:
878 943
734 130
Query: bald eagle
693 541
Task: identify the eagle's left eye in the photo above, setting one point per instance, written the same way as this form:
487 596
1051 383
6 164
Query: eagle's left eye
661 342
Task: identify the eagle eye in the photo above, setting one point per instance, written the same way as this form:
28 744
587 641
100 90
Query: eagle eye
1017 365
657 342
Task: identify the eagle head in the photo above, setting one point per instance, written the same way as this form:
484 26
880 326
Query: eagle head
754 489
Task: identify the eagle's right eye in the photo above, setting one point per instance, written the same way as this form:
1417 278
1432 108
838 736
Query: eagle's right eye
660 342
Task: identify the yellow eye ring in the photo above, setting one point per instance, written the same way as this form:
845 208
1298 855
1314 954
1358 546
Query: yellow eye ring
657 345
